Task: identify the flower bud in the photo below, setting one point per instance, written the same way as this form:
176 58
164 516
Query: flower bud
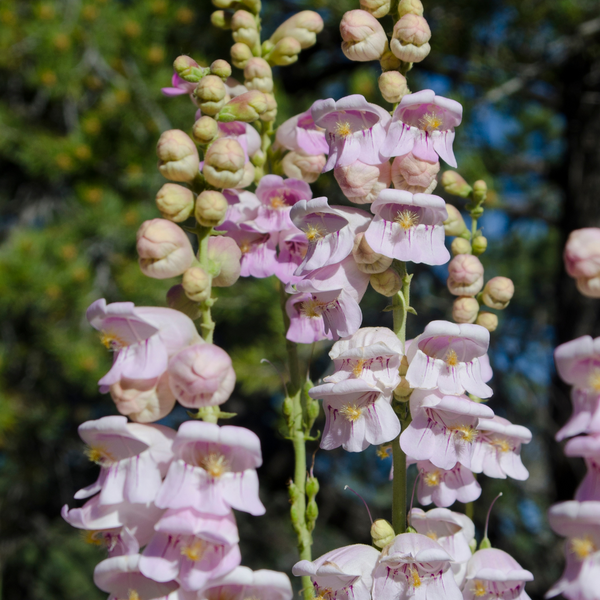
254 5
455 224
164 249
465 309
361 183
392 86
271 113
211 208
378 8
175 202
312 486
367 260
410 38
224 256
221 68
460 246
196 284
221 19
479 191
363 36
382 533
303 26
177 300
589 286
389 62
205 130
454 184
465 275
201 375
299 165
244 28
258 75
240 55
488 320
414 174
403 390
479 245
248 176
410 7
259 158
582 253
387 283
498 292
224 163
246 107
143 400
178 158
403 368
285 52
224 3
187 68
210 94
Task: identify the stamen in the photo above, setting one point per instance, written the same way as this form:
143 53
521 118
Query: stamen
324 594
133 595
112 341
582 547
479 589
99 455
406 219
414 578
194 551
501 443
432 535
343 128
358 367
431 121
594 381
93 537
278 202
383 452
432 478
312 308
465 433
245 247
451 358
351 412
213 463
314 232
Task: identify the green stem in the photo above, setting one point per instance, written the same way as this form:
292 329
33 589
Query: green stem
207 325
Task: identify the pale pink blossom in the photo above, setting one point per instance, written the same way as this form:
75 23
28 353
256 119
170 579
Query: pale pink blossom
188 521
414 175
465 275
142 338
292 250
342 574
301 133
201 375
497 449
242 583
354 129
243 206
306 322
586 414
179 87
363 36
492 574
360 182
214 470
416 567
424 124
587 447
578 363
446 355
133 459
409 227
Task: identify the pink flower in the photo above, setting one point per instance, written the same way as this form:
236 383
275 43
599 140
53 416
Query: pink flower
492 574
409 227
292 250
579 522
143 400
244 133
242 583
330 231
214 470
497 449
354 129
356 415
588 447
361 183
342 574
414 566
301 133
201 375
465 275
424 124
585 417
179 87
446 355
243 206
306 322
133 459
443 428
143 338
578 362
188 521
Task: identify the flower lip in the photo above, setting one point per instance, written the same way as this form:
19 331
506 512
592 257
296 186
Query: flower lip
353 109
504 567
573 518
415 548
424 110
466 340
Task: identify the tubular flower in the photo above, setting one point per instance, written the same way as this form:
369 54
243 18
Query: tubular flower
306 325
243 583
293 246
301 133
588 447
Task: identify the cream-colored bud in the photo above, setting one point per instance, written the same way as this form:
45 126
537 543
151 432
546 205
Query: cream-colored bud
240 55
175 202
498 292
285 52
414 175
211 208
258 75
221 68
178 158
205 130
488 320
389 62
455 224
246 107
479 245
589 286
271 113
196 284
378 8
299 165
403 368
185 66
303 26
224 256
244 28
410 38
403 390
259 158
387 283
465 275
210 94
465 309
382 533
454 184
361 183
393 86
460 246
363 36
221 19
480 191
410 7
253 5
367 260
224 163
248 176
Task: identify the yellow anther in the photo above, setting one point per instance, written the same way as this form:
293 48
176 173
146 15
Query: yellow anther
194 551
99 455
451 358
314 232
466 433
432 535
414 578
214 464
431 121
383 452
112 341
312 308
502 444
582 547
343 129
278 202
432 478
358 367
351 412
324 594
245 247
594 380
406 219
93 537
133 595
479 590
